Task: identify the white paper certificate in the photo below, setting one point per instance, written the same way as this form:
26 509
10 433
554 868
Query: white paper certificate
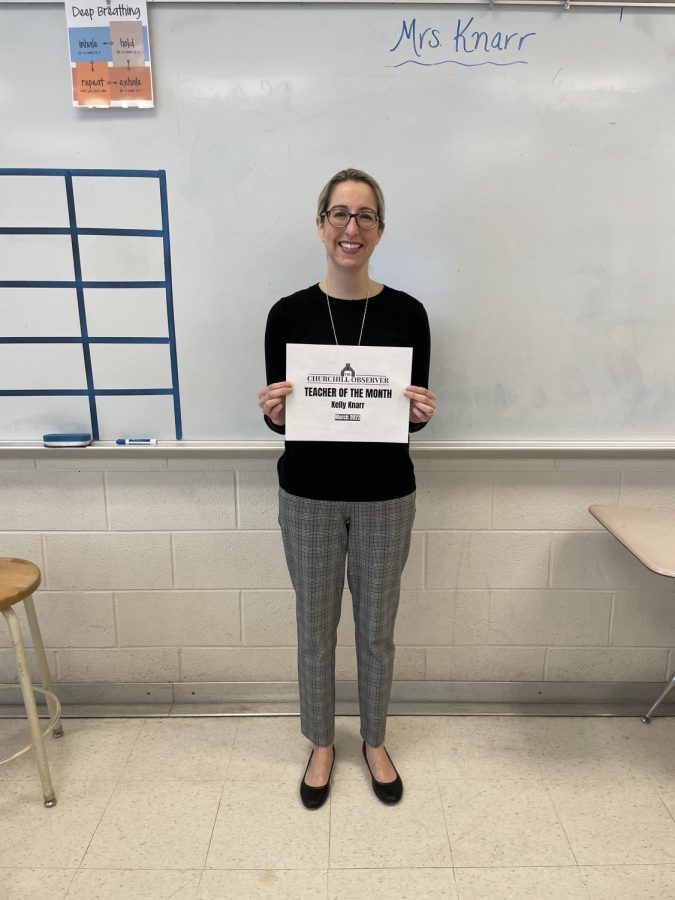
343 393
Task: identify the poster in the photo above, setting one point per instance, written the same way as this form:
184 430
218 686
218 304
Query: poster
110 54
347 393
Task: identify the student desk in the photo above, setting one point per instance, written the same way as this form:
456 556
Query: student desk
649 534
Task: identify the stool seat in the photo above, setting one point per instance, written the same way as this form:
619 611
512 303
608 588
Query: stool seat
18 579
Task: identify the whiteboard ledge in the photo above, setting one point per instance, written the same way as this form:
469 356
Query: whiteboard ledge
418 448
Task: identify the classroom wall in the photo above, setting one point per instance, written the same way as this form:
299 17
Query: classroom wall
529 190
171 569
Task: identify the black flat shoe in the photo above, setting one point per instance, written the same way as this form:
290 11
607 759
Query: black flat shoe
386 791
314 797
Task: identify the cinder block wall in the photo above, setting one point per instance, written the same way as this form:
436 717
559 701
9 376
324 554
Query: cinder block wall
171 569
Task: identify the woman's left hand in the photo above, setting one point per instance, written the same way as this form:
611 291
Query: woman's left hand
422 403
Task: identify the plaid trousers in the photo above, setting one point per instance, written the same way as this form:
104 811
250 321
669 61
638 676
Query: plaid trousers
375 539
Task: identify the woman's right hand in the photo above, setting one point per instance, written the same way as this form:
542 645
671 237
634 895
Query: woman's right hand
272 401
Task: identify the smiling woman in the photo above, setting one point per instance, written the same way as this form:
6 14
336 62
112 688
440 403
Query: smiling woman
346 500
350 237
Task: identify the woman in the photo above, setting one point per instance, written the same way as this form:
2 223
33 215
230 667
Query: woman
346 499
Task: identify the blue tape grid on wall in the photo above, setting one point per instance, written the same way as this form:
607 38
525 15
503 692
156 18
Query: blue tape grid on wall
80 285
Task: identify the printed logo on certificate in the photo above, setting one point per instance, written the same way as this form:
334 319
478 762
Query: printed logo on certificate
346 393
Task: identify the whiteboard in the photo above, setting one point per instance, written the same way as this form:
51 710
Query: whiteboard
530 207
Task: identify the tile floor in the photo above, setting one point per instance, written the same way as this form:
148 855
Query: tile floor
494 807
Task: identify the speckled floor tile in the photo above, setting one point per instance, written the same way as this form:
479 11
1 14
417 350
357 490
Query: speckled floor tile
252 758
620 827
629 882
608 749
387 884
667 795
367 834
92 748
182 750
548 747
527 883
263 884
504 822
34 836
155 826
14 735
89 749
506 799
35 884
489 746
264 825
112 884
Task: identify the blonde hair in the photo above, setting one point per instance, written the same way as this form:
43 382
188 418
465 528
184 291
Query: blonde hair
351 175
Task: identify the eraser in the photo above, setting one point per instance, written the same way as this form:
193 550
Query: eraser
66 440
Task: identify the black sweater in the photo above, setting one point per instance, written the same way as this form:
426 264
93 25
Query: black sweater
336 470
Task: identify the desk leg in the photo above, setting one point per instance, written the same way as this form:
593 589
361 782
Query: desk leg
664 693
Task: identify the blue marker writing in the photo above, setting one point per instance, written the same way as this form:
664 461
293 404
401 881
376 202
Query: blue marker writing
136 441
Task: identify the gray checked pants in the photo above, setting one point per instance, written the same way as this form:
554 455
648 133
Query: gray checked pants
375 538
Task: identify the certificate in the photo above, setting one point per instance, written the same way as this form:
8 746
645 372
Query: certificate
346 393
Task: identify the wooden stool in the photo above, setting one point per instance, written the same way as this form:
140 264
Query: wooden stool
18 579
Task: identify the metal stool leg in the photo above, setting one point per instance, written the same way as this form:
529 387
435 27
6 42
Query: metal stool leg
664 693
31 708
36 634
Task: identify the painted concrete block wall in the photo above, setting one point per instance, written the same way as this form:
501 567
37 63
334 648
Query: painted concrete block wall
171 569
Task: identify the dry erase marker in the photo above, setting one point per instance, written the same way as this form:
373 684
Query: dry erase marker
128 441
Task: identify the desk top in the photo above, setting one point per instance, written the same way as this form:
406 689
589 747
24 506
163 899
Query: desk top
649 534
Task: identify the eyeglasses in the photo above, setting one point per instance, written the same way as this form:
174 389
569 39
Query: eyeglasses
340 218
